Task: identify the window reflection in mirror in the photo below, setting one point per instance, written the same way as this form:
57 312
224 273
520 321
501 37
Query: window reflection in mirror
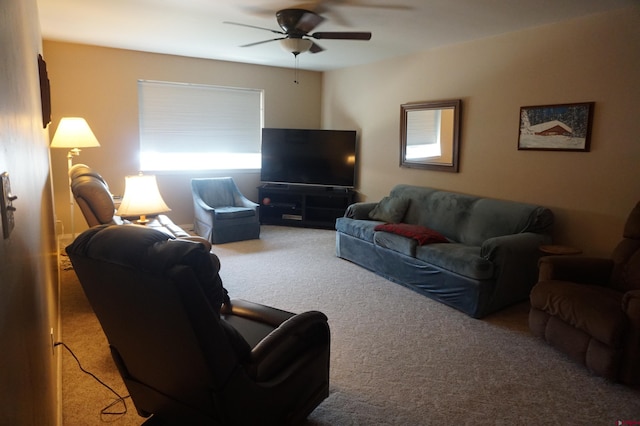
429 135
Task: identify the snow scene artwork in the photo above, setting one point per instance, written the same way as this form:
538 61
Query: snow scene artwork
565 127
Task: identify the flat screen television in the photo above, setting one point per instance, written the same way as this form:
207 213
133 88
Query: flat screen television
309 157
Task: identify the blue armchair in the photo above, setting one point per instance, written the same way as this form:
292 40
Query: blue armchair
222 213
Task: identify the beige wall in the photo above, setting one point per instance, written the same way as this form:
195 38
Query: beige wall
591 59
588 59
100 84
28 257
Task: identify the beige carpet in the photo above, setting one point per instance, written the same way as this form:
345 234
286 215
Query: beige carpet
398 358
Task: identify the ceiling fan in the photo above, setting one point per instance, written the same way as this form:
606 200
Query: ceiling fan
296 36
329 8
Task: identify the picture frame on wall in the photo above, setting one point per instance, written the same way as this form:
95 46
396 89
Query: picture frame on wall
561 127
45 92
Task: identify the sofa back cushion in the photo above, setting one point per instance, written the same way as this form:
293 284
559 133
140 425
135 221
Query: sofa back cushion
493 218
470 219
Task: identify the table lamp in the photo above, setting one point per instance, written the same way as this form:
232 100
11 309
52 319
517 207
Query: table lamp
74 133
141 198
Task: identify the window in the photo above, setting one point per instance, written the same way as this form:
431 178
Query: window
198 127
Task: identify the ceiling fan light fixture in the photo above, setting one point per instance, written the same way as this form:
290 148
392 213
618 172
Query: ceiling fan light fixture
296 45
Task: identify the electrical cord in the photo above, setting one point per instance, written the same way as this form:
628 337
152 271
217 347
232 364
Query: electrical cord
120 399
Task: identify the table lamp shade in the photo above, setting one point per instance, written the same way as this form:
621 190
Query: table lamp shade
74 132
141 197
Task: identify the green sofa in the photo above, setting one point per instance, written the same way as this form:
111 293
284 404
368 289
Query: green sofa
475 254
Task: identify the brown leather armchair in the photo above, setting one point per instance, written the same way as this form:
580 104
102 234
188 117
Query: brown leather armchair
589 308
188 354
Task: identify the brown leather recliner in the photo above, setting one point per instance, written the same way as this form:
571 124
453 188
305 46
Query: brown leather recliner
187 354
92 195
589 307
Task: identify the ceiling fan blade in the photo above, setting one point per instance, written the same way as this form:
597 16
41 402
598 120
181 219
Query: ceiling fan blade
335 35
253 26
315 48
382 6
263 41
308 21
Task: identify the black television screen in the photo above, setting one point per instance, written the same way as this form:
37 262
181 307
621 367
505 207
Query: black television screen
309 157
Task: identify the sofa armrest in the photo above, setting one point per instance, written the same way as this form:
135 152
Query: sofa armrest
286 343
525 243
359 211
579 269
515 263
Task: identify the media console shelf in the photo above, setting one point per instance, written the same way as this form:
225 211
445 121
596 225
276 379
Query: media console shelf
308 206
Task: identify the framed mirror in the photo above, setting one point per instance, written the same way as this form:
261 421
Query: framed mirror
430 135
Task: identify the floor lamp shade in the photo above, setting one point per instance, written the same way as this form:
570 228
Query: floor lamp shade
141 198
74 132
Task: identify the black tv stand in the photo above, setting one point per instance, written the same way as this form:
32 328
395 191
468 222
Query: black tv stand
303 205
275 185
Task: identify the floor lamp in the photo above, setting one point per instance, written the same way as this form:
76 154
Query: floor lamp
73 133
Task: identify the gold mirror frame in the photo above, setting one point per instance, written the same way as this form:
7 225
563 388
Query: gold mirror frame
430 135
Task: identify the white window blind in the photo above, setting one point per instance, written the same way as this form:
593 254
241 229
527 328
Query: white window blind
423 132
195 126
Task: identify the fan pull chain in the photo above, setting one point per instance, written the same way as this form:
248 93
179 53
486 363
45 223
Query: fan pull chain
295 75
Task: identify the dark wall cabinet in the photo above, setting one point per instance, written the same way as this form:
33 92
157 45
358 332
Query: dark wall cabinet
308 206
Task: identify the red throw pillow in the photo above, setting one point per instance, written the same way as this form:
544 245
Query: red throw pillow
422 234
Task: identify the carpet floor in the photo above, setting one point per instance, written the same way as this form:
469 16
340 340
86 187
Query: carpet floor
397 357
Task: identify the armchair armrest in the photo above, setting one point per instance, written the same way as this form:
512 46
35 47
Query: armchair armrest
285 344
256 312
579 269
196 239
631 306
242 201
359 211
201 204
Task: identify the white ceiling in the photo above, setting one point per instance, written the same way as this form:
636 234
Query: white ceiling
195 27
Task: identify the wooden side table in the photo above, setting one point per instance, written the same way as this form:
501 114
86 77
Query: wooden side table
554 249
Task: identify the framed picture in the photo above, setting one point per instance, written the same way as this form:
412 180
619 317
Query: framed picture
564 127
45 92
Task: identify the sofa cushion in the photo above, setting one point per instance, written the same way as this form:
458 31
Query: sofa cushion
594 309
459 258
395 242
362 229
390 209
421 234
